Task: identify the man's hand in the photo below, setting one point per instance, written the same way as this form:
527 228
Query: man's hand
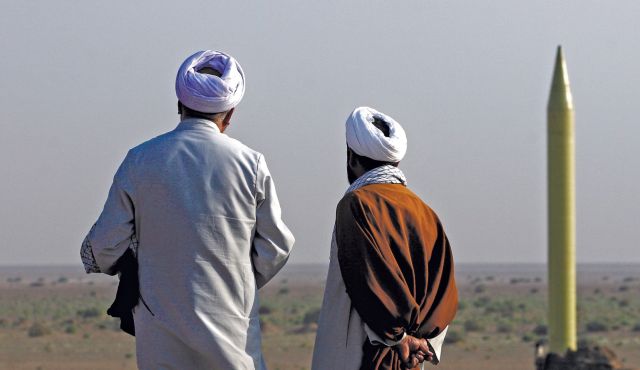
413 351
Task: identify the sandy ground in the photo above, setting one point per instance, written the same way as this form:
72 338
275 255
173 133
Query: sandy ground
497 325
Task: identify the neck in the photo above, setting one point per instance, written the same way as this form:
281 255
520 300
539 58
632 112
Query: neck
184 116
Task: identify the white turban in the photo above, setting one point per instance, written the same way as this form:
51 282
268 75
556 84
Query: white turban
367 140
205 92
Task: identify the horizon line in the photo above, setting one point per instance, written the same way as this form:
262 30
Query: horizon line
481 263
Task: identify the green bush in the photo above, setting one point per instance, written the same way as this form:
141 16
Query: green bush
502 308
481 302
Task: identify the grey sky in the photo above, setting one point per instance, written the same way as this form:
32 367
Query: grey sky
83 81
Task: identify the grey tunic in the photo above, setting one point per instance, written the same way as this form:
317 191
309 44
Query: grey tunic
204 212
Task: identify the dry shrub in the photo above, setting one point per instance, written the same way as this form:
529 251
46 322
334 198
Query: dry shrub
452 337
311 317
504 327
89 313
596 327
540 330
38 330
472 325
264 310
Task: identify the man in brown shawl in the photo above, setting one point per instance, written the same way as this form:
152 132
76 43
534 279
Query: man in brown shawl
390 292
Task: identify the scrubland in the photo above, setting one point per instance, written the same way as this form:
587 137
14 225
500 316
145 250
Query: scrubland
58 320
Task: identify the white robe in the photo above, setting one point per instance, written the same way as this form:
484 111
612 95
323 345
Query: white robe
341 331
205 212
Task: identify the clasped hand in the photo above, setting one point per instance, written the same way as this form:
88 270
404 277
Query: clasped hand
413 351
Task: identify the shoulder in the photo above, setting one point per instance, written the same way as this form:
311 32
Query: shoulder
419 204
355 204
172 138
395 196
420 207
151 143
136 155
242 149
349 200
415 198
365 196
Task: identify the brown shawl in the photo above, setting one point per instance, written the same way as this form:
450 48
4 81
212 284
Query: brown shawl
397 267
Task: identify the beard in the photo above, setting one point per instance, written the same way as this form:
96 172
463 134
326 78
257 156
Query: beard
351 176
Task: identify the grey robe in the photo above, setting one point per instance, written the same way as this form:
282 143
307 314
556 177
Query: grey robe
205 213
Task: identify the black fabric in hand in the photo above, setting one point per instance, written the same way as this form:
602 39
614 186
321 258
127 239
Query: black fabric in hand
128 292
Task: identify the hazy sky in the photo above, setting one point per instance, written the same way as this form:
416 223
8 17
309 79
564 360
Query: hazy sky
83 81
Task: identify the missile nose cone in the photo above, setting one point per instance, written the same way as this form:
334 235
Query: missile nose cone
560 96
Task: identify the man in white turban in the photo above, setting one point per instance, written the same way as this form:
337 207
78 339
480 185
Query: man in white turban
210 82
390 293
200 211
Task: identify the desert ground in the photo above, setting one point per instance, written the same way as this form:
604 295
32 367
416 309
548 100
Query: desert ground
54 317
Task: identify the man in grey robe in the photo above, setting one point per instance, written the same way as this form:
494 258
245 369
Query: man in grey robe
201 212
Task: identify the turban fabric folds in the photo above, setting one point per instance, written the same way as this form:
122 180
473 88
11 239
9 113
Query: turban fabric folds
367 140
205 92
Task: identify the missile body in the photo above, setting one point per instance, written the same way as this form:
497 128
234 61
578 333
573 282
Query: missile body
561 208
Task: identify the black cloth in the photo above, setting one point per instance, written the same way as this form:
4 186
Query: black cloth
128 292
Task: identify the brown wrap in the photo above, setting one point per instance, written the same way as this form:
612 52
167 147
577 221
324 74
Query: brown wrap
397 267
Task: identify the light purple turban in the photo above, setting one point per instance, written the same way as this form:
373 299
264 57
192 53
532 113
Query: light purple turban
205 92
367 140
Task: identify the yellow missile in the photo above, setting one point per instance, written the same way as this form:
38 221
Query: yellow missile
561 208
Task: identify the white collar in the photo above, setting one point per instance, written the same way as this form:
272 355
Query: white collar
200 121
